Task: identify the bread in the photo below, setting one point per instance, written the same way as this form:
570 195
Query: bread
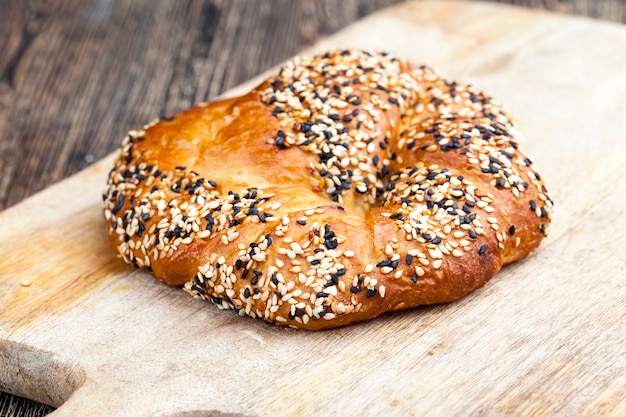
347 185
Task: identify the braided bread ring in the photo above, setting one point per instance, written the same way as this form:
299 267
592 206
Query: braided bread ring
347 185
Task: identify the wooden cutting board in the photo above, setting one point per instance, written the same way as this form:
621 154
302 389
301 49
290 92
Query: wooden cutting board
81 330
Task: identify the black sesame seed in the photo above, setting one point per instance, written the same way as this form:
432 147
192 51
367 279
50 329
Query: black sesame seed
118 206
381 264
280 142
482 250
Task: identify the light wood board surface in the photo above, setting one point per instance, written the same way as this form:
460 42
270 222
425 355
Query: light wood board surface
544 337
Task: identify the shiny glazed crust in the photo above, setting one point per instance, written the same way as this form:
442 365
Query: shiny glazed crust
347 185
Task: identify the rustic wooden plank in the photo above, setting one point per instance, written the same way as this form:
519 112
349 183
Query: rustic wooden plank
51 63
613 10
13 406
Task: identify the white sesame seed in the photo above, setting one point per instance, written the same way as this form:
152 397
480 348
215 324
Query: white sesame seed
332 290
259 256
296 248
435 253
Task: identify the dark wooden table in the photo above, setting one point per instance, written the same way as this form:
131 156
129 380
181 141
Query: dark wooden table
75 75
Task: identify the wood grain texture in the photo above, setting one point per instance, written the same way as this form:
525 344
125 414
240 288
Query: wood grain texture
75 76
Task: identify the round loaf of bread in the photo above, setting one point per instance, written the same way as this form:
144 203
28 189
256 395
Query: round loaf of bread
347 185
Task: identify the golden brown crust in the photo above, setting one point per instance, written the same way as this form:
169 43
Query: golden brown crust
349 184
